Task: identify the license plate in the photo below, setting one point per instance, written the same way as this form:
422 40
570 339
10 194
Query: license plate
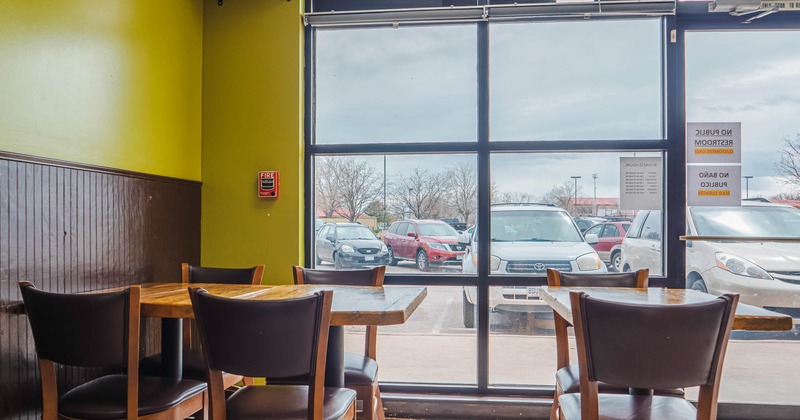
459 257
533 292
370 258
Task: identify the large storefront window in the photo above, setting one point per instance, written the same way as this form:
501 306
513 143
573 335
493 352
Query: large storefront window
411 125
750 78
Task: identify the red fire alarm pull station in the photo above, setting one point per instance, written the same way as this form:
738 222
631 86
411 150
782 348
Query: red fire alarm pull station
268 184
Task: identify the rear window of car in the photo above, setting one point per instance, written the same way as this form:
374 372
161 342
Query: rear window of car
636 226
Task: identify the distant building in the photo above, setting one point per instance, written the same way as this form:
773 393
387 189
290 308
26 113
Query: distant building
341 215
606 207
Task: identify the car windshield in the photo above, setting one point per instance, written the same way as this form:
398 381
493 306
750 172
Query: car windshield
436 229
354 232
533 226
747 221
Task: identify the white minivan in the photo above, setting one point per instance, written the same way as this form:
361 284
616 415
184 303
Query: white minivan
527 239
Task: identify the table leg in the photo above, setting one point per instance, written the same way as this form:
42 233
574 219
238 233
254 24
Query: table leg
334 364
172 347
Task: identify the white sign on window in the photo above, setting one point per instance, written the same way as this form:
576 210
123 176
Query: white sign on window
640 183
714 143
708 185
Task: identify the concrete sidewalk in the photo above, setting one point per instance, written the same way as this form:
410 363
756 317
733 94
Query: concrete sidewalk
755 371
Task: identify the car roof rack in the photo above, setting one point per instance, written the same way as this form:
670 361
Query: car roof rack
524 204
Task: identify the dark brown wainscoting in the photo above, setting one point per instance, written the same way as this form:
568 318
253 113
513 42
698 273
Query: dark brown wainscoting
72 228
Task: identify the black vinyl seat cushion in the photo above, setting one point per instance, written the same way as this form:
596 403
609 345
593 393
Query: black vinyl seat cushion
194 365
106 397
569 379
630 407
359 369
286 402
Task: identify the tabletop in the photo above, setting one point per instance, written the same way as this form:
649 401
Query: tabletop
352 305
747 317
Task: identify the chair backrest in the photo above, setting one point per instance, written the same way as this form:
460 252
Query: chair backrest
287 341
652 346
88 330
367 277
197 274
638 279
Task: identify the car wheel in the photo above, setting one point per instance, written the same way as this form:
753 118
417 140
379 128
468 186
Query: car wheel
700 285
616 261
392 259
422 261
337 262
469 312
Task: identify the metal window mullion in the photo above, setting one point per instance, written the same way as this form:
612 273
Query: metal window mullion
484 205
675 220
309 78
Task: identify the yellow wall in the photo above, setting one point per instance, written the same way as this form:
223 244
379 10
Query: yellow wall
252 121
115 83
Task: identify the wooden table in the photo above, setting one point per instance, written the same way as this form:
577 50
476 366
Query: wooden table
352 305
747 317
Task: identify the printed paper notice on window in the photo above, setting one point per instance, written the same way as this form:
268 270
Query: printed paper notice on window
714 143
640 183
709 185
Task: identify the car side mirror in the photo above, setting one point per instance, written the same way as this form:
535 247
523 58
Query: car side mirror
463 239
329 238
592 239
412 234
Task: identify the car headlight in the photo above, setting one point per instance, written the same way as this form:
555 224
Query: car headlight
436 245
589 261
738 265
347 248
383 248
495 263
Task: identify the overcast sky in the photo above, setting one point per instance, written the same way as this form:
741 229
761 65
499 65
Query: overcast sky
579 80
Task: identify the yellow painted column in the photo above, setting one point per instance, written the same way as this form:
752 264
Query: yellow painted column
252 121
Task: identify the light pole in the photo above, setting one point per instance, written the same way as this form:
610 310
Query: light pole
747 179
594 178
576 178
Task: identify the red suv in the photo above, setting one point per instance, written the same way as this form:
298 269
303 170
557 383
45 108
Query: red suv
427 242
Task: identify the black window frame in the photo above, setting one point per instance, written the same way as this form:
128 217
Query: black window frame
671 146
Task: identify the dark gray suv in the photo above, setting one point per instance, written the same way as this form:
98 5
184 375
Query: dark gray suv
349 245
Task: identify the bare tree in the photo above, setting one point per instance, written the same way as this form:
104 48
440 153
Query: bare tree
788 166
326 188
514 197
563 196
463 190
419 193
358 185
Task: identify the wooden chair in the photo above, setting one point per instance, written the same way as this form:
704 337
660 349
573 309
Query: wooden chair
101 330
193 363
360 371
648 347
568 375
287 342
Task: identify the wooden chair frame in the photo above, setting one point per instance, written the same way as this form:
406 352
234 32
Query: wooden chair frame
363 392
707 401
47 370
229 380
562 332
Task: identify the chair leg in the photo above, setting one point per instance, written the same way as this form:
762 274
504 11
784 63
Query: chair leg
379 404
554 409
365 394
